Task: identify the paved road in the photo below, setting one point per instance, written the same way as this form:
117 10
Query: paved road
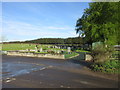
26 72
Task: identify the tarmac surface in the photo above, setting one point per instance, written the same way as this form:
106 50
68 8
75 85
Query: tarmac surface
27 72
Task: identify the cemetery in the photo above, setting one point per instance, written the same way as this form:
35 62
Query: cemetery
38 50
60 44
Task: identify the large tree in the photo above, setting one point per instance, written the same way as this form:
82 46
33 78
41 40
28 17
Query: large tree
100 23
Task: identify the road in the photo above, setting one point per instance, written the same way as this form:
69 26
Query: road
27 72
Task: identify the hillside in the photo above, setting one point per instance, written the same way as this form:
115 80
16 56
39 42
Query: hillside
75 40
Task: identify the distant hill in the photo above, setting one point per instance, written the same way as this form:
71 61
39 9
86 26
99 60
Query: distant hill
72 40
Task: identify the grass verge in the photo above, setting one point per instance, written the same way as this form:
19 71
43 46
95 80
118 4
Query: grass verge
70 55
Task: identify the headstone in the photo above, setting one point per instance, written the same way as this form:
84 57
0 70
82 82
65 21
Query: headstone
36 48
59 47
41 50
48 46
69 50
56 47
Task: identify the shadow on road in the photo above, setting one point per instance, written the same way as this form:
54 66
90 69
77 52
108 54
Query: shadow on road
80 60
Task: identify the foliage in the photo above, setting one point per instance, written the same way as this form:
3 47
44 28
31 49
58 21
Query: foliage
100 23
74 40
101 53
111 66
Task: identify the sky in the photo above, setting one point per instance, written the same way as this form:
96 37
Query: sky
32 20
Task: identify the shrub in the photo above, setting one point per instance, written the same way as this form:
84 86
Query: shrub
101 53
111 66
51 52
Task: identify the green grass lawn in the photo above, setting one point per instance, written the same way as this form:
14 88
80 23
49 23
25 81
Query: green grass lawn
7 47
70 55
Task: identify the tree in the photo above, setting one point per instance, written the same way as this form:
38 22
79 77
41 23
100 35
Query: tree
100 23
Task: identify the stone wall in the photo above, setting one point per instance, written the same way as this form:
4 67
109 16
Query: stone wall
88 57
55 56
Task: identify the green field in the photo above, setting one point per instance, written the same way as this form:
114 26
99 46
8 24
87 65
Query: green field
70 55
8 47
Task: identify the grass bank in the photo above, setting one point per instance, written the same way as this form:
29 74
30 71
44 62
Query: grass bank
70 55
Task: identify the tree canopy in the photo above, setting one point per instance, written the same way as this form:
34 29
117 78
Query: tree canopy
100 23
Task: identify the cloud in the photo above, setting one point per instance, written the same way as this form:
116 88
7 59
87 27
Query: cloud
25 31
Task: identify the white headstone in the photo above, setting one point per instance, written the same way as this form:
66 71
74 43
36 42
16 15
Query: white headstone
36 49
41 50
69 49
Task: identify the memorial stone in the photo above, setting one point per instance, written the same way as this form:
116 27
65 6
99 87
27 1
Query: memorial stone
69 50
36 48
41 50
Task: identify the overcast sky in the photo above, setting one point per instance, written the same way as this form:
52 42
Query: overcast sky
32 20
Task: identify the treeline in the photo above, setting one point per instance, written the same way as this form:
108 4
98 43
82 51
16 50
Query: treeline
75 40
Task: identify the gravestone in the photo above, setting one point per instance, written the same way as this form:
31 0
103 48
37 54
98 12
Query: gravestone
41 50
36 48
69 50
56 47
48 46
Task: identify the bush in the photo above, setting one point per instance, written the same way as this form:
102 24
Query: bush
111 66
101 53
51 52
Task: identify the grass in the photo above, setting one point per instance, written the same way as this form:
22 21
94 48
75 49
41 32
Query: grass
82 51
70 55
8 47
